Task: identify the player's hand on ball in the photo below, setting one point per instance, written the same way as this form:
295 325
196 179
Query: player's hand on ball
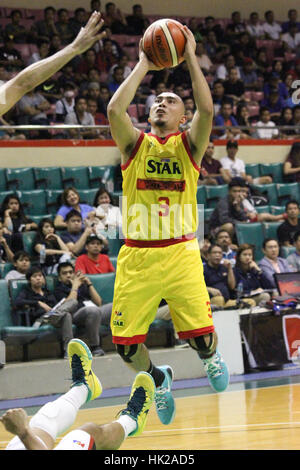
190 46
143 58
15 421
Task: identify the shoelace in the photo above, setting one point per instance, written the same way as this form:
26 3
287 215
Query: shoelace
137 401
213 367
161 398
78 371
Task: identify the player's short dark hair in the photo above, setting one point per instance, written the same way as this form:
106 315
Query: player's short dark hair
267 240
291 201
212 246
72 213
13 12
34 270
20 255
65 264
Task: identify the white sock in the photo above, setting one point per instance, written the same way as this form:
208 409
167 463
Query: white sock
57 416
128 424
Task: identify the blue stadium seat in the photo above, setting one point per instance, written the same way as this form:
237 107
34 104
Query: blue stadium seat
286 192
252 234
34 202
272 169
270 229
214 193
20 179
252 169
48 177
269 190
76 176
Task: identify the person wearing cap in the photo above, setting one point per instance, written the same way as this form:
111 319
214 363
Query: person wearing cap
235 167
10 57
93 262
80 116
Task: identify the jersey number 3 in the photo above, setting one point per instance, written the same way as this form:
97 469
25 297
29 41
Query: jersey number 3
164 204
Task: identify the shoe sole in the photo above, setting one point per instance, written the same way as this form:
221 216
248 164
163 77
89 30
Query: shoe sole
145 380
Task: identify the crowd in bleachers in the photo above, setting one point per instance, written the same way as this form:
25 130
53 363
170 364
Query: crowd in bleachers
250 65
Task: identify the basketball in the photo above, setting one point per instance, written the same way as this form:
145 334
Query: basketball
164 43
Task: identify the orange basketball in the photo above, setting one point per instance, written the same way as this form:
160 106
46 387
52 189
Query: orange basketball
164 43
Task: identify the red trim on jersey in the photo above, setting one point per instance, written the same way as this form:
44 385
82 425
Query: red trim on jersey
158 243
134 151
195 333
160 184
91 443
133 340
163 140
188 151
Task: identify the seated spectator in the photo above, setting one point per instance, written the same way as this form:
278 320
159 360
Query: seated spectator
22 264
275 83
291 166
35 300
234 28
292 37
115 19
265 121
226 118
101 94
195 28
223 239
180 76
107 57
274 103
45 29
223 69
65 105
202 58
15 220
50 90
88 312
212 172
117 79
248 75
294 258
250 275
50 247
251 211
271 28
296 119
160 88
229 210
262 63
63 26
6 253
33 107
123 63
204 245
10 57
78 21
109 215
71 200
112 45
271 262
287 230
233 87
292 16
15 28
286 119
211 44
80 116
86 64
243 119
42 52
137 22
99 118
254 28
55 44
93 262
218 95
243 47
210 26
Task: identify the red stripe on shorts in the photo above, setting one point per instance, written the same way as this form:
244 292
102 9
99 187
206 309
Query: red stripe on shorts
91 443
195 333
132 340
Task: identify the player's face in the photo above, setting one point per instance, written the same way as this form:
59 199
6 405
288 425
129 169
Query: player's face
66 275
167 111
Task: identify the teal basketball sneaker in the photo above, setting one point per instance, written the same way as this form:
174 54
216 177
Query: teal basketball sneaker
217 372
164 401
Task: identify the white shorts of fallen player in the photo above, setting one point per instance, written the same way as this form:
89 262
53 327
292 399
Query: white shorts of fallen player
74 440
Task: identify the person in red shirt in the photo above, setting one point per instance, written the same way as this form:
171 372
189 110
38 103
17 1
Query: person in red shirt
94 262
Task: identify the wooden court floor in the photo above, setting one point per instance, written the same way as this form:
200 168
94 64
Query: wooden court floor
260 418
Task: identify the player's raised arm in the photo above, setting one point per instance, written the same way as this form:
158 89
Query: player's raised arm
200 130
124 133
40 71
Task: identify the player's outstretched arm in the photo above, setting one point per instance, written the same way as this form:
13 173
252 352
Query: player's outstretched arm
16 422
201 126
37 73
123 132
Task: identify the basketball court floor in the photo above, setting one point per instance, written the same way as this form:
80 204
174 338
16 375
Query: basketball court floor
258 411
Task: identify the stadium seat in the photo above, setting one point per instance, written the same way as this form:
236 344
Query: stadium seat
285 251
76 176
287 191
104 285
3 195
28 241
39 217
5 268
34 202
252 169
269 190
252 234
277 210
113 260
201 195
114 246
48 178
272 169
261 209
207 213
2 179
53 200
214 193
20 178
102 176
87 196
270 229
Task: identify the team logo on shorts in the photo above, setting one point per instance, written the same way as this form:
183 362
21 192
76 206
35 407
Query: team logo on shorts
117 321
81 444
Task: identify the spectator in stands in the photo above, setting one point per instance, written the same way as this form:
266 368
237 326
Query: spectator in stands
22 264
95 5
223 69
37 300
117 79
234 28
265 121
226 118
274 103
115 19
160 88
291 167
46 28
262 63
243 119
93 262
116 49
292 37
78 21
123 62
42 52
80 116
294 258
210 26
105 97
223 239
275 82
137 22
212 172
211 44
10 57
65 105
87 63
217 95
55 44
15 220
286 119
67 77
99 118
204 245
229 210
88 311
292 16
253 215
251 276
248 74
254 28
296 119
109 215
219 277
233 86
271 262
195 28
33 107
180 76
63 26
272 29
50 90
106 58
243 47
6 252
291 225
71 200
17 30
50 247
203 60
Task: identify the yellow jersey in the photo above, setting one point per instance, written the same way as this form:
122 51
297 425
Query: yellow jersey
159 191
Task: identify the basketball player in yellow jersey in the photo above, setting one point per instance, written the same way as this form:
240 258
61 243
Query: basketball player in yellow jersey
161 258
13 90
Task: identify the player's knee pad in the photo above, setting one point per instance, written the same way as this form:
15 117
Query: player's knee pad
205 348
127 351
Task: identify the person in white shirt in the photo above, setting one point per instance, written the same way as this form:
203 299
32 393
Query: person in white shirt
42 53
265 121
254 28
203 60
271 28
65 105
22 264
292 38
223 69
108 215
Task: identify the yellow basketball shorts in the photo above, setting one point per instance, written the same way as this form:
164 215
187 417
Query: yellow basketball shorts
145 276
